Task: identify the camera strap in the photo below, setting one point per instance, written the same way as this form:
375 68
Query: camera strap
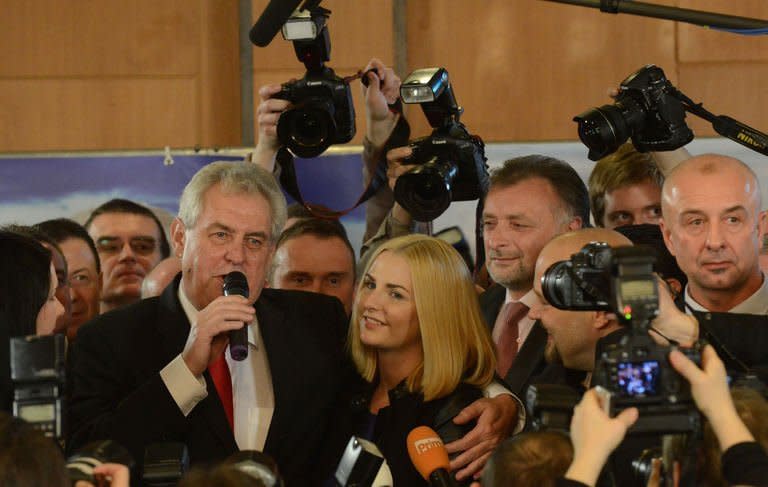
291 186
399 137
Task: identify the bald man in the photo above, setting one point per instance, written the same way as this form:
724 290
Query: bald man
711 223
573 335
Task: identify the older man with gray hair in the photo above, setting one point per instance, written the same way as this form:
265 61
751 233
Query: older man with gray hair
159 370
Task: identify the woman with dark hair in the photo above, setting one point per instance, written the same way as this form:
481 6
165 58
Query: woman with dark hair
28 305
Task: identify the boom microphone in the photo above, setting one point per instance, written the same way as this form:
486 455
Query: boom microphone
235 283
271 20
429 456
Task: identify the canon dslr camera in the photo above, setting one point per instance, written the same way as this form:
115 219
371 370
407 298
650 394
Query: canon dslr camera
321 112
451 163
648 109
635 372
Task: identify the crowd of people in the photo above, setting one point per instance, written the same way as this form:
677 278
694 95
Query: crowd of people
405 336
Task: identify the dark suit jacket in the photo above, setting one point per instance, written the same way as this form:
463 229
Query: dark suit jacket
117 392
529 361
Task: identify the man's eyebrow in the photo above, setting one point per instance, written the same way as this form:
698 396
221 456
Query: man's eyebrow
259 234
217 225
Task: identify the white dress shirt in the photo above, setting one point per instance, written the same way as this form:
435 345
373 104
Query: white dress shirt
525 325
253 396
757 304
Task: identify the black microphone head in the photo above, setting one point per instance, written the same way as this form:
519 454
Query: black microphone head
235 283
271 20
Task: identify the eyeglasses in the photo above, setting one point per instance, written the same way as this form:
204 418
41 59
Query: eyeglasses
114 245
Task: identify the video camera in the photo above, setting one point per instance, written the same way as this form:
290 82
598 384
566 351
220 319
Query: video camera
636 371
321 112
451 163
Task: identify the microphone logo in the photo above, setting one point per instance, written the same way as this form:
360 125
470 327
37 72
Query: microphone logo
423 446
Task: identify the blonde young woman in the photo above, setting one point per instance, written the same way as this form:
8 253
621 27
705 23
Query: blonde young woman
420 346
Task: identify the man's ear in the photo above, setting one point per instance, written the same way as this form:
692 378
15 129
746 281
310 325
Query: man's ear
178 237
603 320
576 223
762 227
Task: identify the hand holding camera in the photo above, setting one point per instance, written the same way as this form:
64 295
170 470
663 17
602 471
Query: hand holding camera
381 90
709 388
595 435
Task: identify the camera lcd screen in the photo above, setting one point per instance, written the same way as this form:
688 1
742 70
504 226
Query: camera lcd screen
638 289
37 413
638 378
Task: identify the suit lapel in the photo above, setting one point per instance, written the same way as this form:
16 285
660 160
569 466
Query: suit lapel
490 304
528 359
277 336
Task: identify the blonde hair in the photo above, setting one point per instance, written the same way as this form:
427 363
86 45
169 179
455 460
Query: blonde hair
455 341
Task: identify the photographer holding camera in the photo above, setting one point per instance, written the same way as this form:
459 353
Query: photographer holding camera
595 434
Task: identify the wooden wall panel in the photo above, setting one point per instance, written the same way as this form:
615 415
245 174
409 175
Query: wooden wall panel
76 114
112 74
359 31
697 44
99 37
522 70
736 90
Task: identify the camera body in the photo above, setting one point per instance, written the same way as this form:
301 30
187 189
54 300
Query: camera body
450 163
648 109
37 372
636 371
322 113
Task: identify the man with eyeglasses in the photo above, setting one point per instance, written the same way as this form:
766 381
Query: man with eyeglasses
130 241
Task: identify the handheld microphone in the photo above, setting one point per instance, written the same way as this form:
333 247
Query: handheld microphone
429 456
271 20
235 283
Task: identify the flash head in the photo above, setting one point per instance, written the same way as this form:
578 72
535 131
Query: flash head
303 26
424 85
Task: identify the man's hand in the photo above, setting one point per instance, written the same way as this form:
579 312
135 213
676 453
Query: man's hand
268 113
225 313
495 419
396 168
383 90
114 474
595 435
672 322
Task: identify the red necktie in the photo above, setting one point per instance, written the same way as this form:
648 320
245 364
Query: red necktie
223 381
506 347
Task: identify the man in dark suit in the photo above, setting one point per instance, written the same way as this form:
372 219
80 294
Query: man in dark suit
531 200
159 370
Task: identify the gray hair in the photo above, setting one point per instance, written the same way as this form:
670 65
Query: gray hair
238 178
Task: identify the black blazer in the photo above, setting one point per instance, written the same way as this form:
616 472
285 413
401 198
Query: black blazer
529 361
116 391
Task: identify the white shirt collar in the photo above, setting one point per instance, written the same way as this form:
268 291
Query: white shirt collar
529 299
192 312
756 304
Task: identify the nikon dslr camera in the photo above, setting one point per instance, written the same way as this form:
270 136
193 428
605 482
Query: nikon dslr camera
648 109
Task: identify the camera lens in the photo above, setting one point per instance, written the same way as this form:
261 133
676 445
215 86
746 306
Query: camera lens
425 191
555 282
307 130
602 130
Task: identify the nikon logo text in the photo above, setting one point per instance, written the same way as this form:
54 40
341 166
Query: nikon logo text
423 446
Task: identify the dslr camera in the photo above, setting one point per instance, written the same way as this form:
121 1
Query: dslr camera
322 112
450 163
636 371
648 108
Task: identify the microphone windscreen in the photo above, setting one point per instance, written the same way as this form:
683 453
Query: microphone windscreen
235 283
427 451
271 20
